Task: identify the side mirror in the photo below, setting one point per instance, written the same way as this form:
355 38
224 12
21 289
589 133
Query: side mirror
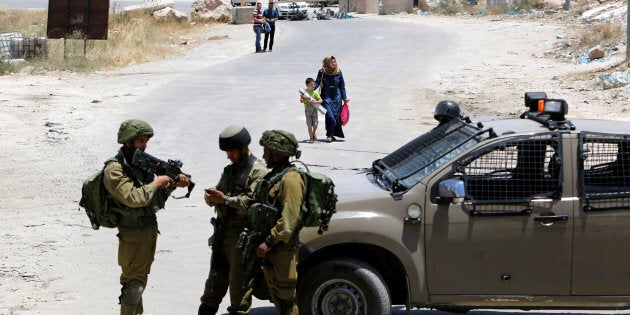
452 191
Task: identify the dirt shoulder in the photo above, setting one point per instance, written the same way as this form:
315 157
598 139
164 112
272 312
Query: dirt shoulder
506 54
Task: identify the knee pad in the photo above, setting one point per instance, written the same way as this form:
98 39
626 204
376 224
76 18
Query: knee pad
131 292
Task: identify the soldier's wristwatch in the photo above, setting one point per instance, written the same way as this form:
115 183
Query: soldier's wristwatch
227 201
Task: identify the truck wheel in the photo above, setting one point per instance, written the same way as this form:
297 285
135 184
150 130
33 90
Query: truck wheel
344 286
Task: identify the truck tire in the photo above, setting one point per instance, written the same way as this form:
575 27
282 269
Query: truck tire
344 286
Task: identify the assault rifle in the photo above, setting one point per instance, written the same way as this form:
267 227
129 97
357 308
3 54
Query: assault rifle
151 164
262 219
216 243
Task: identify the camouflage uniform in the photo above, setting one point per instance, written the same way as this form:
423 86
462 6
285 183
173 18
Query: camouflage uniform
287 194
233 219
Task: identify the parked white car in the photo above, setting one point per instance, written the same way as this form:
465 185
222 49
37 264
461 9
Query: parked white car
292 10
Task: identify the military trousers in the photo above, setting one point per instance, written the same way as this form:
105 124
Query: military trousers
280 270
228 273
136 252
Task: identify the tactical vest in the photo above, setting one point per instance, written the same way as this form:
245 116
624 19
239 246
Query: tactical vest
137 217
263 188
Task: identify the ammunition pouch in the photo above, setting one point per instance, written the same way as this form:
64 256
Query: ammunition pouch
263 218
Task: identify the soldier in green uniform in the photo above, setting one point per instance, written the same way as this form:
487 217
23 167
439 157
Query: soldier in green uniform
283 189
137 196
231 199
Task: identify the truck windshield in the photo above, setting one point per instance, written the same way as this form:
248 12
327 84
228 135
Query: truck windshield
407 166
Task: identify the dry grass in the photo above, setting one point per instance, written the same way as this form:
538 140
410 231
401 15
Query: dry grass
603 34
25 21
132 39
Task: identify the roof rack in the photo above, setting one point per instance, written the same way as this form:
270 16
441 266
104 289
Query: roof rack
549 112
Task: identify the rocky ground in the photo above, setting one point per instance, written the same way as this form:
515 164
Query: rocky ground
586 86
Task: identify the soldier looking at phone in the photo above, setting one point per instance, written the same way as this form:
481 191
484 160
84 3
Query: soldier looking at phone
231 198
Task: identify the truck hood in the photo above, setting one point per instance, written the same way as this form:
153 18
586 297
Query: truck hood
363 209
355 187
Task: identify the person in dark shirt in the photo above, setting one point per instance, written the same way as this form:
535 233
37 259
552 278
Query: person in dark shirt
271 16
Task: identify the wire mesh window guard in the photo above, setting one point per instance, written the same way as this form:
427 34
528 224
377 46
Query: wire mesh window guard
405 167
513 173
605 171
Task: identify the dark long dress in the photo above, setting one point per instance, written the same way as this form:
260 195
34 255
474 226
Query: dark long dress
333 93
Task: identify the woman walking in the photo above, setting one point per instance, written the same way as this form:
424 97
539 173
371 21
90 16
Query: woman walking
333 93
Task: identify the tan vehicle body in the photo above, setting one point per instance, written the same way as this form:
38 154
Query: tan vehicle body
549 252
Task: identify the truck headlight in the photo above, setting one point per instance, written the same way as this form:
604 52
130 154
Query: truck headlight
414 211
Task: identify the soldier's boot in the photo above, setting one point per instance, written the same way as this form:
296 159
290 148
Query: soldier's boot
287 308
131 298
205 309
126 309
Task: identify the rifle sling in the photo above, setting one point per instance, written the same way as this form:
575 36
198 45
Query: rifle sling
240 186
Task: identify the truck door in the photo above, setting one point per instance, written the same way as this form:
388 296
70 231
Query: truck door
513 233
601 263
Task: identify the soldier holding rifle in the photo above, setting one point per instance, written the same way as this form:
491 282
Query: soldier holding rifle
273 234
137 195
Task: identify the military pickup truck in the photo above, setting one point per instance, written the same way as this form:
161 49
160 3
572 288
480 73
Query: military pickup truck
523 213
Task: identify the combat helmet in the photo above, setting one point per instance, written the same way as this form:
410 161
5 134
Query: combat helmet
448 109
130 129
234 137
280 142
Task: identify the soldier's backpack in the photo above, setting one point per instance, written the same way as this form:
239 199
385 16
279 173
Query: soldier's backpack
94 199
320 200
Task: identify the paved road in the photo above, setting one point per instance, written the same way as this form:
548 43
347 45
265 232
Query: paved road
384 64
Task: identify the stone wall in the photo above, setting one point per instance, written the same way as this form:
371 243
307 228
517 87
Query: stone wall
242 15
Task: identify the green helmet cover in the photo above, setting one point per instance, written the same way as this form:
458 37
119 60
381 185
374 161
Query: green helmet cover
130 129
280 142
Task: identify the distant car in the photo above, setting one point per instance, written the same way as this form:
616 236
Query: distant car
529 213
292 10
